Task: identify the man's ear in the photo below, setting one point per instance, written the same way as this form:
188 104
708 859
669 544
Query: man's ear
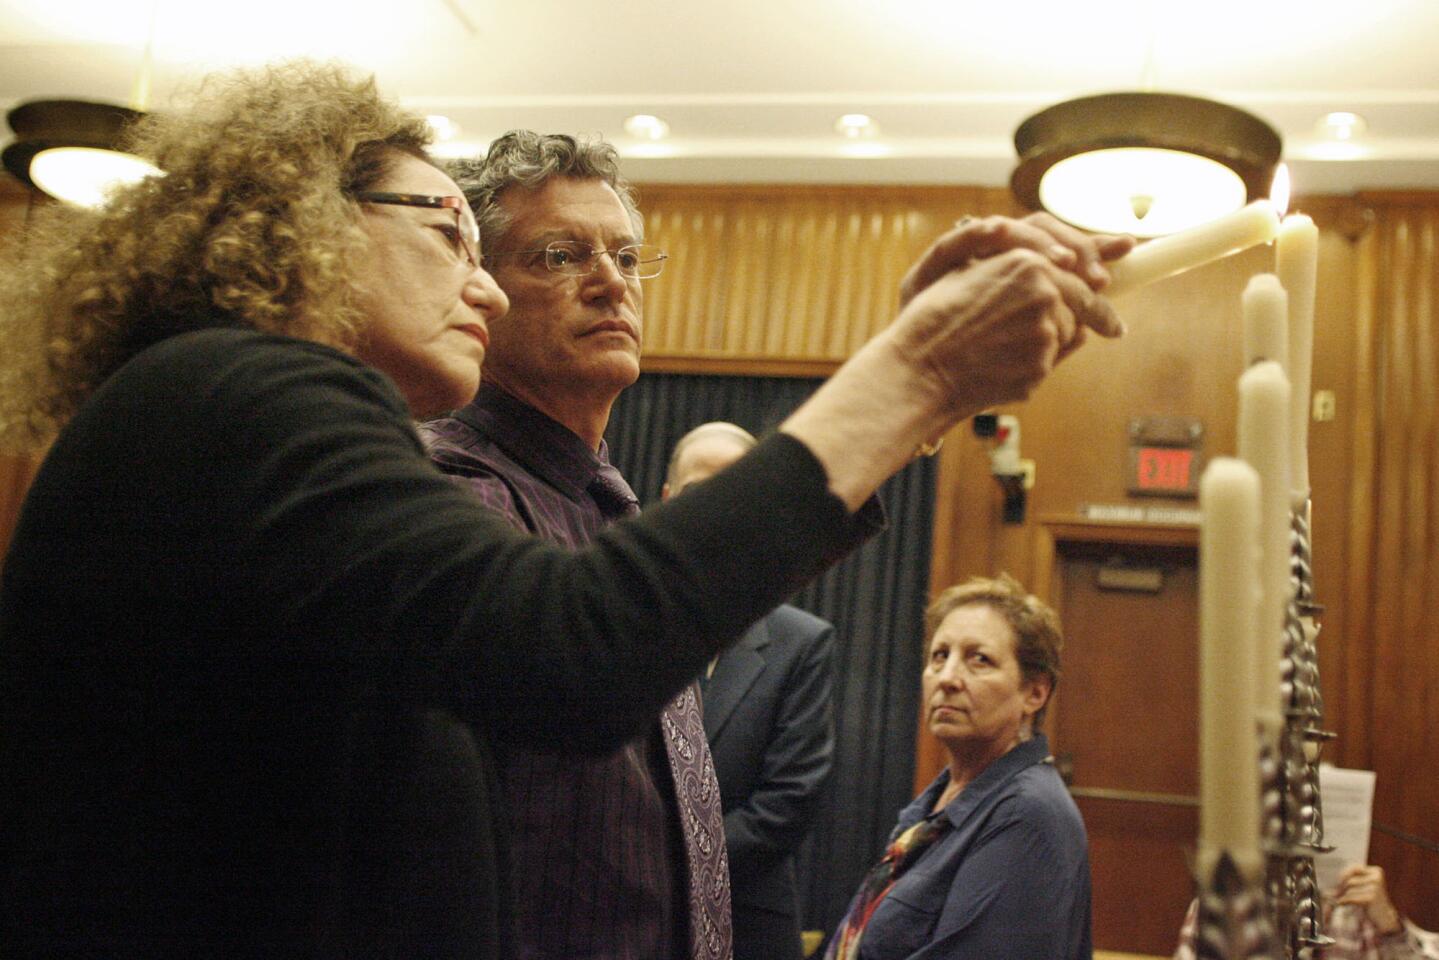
665 492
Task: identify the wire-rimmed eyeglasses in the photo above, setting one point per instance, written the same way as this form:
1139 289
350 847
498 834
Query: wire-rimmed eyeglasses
466 237
576 258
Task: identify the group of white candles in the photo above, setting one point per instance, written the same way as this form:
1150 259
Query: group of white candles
1244 548
1245 506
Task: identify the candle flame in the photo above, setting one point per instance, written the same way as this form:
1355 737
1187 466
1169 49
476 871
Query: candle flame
1279 190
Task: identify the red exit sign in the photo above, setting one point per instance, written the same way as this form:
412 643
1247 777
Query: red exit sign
1163 470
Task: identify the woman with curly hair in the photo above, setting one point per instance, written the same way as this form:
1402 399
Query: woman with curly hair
254 649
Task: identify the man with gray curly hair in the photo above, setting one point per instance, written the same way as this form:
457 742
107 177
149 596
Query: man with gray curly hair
564 240
529 159
619 856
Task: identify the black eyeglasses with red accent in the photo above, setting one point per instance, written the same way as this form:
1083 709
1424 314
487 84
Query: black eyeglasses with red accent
466 238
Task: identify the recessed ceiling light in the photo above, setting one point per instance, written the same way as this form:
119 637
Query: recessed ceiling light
443 127
856 126
646 126
1342 125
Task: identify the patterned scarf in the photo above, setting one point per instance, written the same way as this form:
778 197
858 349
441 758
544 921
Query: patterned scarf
903 851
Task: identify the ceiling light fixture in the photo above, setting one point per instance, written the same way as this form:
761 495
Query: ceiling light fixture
856 126
646 126
68 148
1147 164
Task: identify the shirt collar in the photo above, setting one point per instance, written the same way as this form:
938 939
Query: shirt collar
545 447
990 781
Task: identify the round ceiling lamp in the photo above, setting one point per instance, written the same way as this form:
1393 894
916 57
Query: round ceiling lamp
66 148
1146 164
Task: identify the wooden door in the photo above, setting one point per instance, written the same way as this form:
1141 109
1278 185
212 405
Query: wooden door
1124 723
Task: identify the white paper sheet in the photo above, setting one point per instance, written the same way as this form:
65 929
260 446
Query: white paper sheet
1348 798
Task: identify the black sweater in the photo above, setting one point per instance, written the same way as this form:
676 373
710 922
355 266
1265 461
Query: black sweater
253 650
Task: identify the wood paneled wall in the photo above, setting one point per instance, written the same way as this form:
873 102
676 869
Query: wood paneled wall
787 280
1383 674
750 259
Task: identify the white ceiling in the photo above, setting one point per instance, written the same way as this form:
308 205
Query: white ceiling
751 88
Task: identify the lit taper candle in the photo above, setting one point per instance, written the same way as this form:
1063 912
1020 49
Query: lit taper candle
1298 265
1165 256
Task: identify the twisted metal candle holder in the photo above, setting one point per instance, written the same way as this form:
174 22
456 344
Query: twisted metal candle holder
1294 779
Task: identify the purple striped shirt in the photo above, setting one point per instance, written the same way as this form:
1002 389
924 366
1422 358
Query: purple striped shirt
597 845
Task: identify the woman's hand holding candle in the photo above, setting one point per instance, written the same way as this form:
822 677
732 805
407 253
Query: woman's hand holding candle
1165 256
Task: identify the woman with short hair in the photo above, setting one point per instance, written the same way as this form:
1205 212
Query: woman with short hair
991 859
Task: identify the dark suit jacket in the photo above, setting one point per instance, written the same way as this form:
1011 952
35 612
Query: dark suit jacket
770 723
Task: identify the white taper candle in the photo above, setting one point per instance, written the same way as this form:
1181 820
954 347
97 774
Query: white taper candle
1264 445
1228 618
1266 321
1165 256
1297 263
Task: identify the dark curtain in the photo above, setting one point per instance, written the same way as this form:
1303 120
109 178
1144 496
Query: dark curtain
875 599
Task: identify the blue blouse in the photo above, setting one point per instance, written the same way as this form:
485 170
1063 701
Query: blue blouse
1009 880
